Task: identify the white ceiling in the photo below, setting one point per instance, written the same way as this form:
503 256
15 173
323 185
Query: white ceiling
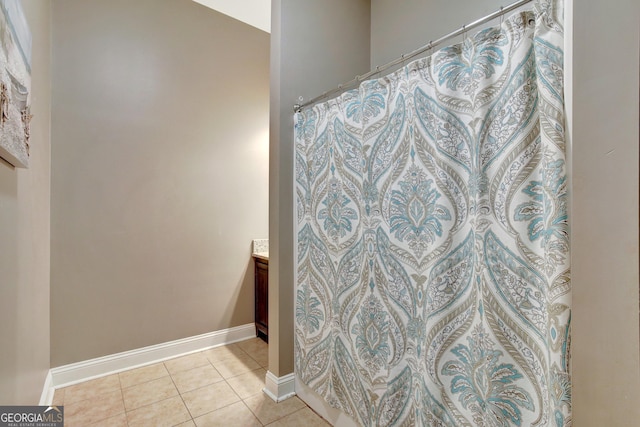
256 13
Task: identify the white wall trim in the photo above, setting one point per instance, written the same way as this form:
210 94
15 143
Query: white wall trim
47 390
279 388
94 368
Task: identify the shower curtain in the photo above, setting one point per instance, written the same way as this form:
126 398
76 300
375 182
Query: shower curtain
432 269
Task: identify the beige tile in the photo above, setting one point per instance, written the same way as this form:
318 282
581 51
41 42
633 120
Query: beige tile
209 398
168 412
58 397
91 388
196 378
257 349
223 353
304 417
94 409
142 375
252 345
235 366
186 363
248 384
117 421
149 392
236 414
261 356
269 411
189 423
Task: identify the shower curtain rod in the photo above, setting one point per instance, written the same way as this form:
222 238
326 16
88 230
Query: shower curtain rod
428 46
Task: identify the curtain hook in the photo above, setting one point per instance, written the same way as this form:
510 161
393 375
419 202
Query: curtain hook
501 15
464 33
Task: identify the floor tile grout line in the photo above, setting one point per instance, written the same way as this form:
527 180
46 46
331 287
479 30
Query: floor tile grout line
255 360
126 418
144 382
244 373
149 404
158 401
199 388
188 355
221 361
252 413
250 410
162 399
217 409
189 410
182 399
223 379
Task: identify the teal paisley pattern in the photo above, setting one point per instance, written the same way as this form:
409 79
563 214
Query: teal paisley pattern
463 67
432 267
415 215
371 332
336 213
485 386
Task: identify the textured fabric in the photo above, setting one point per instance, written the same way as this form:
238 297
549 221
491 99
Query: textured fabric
432 270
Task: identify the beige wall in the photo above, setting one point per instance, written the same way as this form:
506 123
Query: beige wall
315 46
399 27
24 238
159 173
603 97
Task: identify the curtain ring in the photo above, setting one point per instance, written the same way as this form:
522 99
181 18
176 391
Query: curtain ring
501 15
464 33
429 52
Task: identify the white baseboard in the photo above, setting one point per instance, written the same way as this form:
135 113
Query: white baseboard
279 388
47 390
94 368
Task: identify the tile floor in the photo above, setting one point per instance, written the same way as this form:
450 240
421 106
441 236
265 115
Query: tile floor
218 387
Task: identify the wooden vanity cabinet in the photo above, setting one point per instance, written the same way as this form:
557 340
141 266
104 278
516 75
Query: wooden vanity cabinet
262 298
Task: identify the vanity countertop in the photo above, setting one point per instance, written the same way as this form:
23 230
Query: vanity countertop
261 255
260 249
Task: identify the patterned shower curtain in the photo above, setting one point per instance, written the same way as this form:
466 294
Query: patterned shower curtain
432 270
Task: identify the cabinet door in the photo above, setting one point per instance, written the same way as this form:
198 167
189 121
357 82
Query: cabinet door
262 298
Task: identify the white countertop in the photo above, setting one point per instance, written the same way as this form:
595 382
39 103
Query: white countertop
261 255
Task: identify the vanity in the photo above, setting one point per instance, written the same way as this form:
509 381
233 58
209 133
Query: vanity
260 256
